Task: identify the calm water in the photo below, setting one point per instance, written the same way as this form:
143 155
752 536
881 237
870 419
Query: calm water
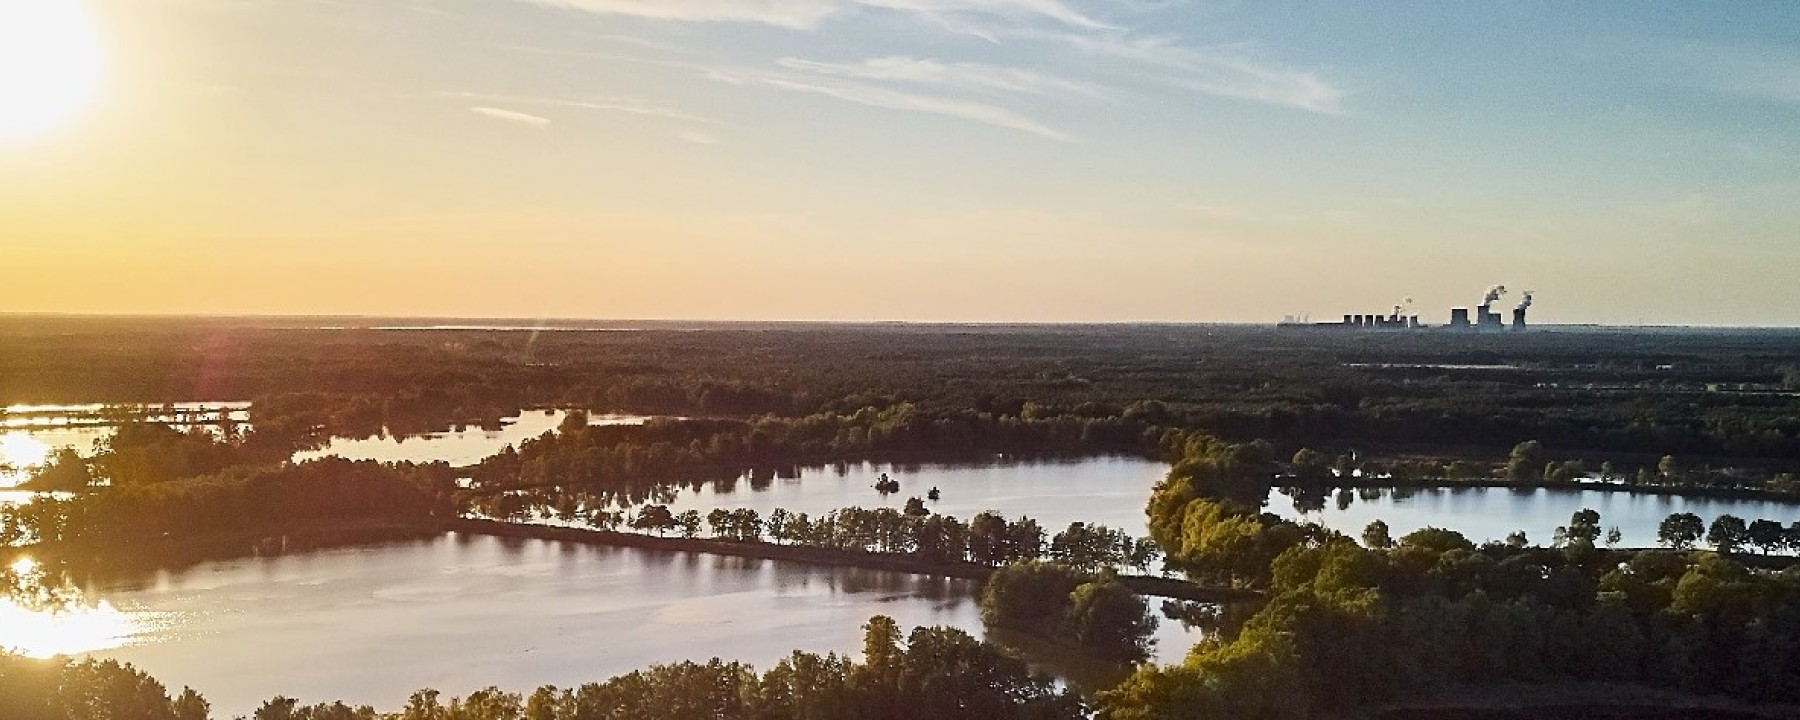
371 624
1111 491
466 446
1492 513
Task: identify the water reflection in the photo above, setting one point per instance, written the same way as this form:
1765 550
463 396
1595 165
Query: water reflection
1491 513
43 616
371 624
458 446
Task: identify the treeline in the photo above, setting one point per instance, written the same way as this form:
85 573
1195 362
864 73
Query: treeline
933 672
1349 627
988 539
1646 393
1728 533
629 458
238 501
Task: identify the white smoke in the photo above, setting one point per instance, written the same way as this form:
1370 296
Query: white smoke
1493 294
1525 301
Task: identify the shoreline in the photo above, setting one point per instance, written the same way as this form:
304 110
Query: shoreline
180 552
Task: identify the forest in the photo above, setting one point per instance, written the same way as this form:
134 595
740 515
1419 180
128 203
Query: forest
1713 397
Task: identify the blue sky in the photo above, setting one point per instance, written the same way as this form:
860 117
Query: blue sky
928 159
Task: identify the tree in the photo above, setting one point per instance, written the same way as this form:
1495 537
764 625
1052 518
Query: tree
1767 535
654 517
1583 529
1311 467
1670 470
1024 540
915 508
1680 531
1088 547
1526 461
746 525
1614 536
111 690
1028 596
1376 536
1727 534
988 540
1109 619
779 523
881 643
689 522
191 706
574 421
1517 540
719 521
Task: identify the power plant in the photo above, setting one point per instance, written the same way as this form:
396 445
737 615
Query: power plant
1485 319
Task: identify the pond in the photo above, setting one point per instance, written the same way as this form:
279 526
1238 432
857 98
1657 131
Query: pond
1491 513
459 447
1110 491
372 624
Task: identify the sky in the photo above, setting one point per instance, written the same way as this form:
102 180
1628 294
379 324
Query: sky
928 160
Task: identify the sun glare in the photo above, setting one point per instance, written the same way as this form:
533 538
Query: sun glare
70 626
64 631
49 64
20 449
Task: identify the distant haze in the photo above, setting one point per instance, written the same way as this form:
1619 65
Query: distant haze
953 160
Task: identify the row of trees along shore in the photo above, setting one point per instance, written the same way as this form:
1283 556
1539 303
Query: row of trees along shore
1347 627
987 539
933 672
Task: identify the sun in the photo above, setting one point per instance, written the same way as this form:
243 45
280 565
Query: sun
49 64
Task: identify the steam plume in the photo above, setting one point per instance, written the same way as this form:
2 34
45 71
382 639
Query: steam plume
1493 294
1525 301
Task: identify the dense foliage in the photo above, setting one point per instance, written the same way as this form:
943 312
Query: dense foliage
1095 613
243 500
1347 626
1644 394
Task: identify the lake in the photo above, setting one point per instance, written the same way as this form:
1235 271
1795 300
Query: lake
1107 490
459 447
371 624
1492 513
1114 490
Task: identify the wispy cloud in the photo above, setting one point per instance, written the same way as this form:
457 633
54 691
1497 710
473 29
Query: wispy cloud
512 116
809 14
882 97
1220 73
1057 25
635 106
965 76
